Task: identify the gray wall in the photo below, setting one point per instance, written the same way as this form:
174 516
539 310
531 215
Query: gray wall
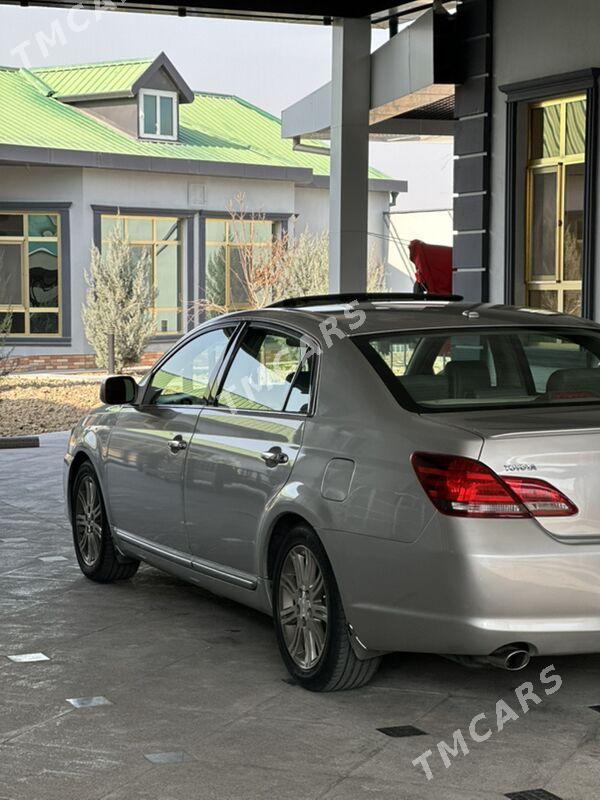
532 39
123 114
85 188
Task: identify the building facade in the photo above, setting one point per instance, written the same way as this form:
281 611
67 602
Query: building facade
128 144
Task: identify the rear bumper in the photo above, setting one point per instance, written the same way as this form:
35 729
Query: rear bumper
470 589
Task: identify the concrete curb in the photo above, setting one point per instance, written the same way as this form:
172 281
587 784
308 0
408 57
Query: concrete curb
18 442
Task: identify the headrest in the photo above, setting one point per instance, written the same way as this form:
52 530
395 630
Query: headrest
467 378
574 380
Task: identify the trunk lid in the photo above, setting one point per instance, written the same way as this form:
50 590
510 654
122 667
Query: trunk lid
560 446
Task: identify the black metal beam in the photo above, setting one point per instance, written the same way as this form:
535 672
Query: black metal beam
290 11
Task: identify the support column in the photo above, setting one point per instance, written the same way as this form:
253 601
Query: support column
349 181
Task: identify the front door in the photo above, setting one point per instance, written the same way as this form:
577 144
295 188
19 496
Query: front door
244 446
149 443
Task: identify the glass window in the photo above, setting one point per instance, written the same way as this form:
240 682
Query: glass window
545 131
575 132
42 225
30 273
516 367
167 229
17 322
43 274
573 222
139 229
44 323
11 271
543 233
11 224
109 224
166 116
185 378
231 244
160 237
270 372
158 114
150 116
168 290
556 178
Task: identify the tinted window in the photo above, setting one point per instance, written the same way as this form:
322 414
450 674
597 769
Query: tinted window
484 368
184 379
270 372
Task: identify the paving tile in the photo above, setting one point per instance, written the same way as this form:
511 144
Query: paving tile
211 781
57 773
373 789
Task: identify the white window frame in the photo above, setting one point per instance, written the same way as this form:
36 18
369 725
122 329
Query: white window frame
158 94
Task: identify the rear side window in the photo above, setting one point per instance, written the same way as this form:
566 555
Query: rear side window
483 368
270 371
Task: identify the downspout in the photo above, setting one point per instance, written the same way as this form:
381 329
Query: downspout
309 148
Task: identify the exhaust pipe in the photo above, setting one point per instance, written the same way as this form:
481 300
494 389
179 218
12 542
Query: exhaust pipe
509 657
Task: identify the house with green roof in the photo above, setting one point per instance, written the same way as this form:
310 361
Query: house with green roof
89 147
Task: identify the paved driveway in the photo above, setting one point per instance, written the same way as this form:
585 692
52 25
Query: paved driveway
200 706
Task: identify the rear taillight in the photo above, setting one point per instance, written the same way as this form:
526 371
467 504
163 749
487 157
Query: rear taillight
540 498
464 487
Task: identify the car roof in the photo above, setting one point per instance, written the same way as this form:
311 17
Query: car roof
383 316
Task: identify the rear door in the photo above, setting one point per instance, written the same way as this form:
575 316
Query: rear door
245 445
148 444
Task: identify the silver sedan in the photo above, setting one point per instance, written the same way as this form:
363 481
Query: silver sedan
391 474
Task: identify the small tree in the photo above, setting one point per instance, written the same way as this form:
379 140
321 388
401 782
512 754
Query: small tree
7 363
289 267
119 300
306 268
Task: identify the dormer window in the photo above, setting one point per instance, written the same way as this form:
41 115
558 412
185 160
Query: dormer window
158 114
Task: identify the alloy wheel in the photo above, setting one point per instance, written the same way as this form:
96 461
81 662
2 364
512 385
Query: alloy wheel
88 521
303 611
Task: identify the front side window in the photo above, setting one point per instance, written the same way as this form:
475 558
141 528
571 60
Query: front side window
555 205
476 370
232 246
30 273
271 371
158 114
161 238
185 378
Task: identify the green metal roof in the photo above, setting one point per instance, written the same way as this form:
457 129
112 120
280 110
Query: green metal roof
214 127
100 78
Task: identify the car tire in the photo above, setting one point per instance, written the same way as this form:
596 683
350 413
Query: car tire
310 624
92 538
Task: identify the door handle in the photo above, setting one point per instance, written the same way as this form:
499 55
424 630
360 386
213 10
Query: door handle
177 444
274 456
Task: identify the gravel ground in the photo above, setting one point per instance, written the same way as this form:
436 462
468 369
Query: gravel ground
33 404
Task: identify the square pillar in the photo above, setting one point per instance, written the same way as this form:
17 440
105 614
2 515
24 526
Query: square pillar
349 181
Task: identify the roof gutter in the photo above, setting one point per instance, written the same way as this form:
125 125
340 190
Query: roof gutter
58 157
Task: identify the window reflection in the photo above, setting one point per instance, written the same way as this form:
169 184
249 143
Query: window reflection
270 372
184 379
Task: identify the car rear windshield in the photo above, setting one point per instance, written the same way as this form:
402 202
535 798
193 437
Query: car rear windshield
443 371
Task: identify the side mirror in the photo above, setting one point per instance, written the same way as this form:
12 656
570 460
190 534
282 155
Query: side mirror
117 390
